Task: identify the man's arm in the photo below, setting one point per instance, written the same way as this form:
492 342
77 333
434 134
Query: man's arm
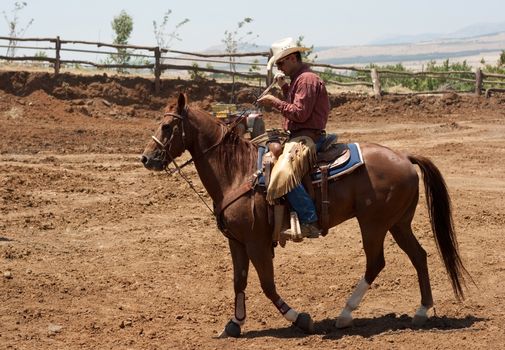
303 103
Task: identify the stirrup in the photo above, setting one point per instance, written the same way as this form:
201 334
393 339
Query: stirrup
295 232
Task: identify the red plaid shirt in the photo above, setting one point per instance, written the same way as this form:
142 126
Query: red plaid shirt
306 104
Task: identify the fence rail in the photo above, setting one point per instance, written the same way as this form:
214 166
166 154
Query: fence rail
477 79
155 54
368 77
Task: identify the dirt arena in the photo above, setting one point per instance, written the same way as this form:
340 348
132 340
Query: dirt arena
97 253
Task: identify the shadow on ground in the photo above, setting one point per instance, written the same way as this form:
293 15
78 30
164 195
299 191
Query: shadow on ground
369 327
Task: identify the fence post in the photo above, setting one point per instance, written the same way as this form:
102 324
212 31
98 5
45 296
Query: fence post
157 69
376 83
270 77
57 62
478 82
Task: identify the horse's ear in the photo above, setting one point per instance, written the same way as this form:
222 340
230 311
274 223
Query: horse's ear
181 102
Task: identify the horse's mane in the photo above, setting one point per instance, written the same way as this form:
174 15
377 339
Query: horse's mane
235 154
238 155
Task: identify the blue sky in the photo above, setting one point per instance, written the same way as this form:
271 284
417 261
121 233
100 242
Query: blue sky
322 23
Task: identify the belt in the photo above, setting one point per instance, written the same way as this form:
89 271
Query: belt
314 134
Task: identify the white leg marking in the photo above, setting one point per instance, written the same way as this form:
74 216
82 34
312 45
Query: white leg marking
358 294
422 311
345 317
291 315
421 316
288 313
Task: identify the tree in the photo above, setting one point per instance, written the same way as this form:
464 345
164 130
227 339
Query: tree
122 26
164 38
306 54
233 41
254 68
499 68
195 73
15 31
501 60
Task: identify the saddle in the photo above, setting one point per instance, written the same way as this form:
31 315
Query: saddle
334 154
333 160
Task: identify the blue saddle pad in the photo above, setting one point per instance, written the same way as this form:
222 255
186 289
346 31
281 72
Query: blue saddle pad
355 160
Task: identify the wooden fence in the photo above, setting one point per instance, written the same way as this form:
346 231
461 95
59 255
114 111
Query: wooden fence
155 56
477 79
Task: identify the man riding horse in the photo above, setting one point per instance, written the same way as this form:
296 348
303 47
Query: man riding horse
305 110
382 194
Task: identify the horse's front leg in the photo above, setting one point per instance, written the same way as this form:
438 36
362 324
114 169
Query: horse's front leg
261 257
240 271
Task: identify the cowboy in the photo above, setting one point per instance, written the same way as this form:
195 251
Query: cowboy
305 110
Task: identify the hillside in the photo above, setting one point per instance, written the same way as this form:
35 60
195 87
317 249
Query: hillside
413 55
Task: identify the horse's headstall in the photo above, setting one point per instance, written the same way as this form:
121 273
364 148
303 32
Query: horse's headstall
158 142
180 117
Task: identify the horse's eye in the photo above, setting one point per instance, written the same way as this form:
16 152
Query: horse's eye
166 128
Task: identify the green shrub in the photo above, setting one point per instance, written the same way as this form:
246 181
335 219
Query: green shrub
195 73
420 82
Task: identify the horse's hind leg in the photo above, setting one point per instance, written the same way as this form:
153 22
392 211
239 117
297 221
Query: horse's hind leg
403 235
240 271
261 257
373 244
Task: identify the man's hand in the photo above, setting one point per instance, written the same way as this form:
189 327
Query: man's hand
268 100
280 79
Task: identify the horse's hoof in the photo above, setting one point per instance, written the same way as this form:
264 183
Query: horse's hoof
419 320
230 330
305 323
343 322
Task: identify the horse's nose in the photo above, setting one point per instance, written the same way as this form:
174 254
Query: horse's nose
144 159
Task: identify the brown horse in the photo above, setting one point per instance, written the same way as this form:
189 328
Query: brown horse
382 195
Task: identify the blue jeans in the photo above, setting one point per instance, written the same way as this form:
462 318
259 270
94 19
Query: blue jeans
300 200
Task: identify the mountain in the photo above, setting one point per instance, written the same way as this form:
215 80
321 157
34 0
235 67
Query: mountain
474 30
479 30
413 55
243 48
471 44
405 39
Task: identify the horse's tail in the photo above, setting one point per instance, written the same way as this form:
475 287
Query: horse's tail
439 208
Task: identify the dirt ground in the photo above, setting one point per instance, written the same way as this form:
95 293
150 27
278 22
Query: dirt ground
96 252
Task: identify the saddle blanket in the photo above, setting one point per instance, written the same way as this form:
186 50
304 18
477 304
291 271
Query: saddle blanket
355 161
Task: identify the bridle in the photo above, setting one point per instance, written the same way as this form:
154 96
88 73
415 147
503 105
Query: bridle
165 150
165 147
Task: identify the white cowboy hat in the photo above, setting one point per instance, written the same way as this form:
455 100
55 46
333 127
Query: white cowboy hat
282 48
